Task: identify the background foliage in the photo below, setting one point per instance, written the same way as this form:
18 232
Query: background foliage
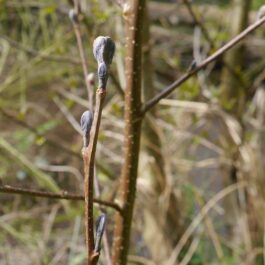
210 139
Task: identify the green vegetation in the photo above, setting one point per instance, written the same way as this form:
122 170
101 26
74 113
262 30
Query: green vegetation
200 182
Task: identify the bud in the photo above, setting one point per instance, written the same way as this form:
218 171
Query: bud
100 227
102 75
73 16
261 12
103 50
86 124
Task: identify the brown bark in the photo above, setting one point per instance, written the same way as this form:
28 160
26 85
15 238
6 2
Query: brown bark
133 15
89 161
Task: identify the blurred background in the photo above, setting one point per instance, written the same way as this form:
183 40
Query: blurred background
201 182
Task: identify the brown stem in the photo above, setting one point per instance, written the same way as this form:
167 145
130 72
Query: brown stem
89 160
166 91
134 22
64 195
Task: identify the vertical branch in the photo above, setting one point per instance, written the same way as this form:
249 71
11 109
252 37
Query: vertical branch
89 160
103 49
133 13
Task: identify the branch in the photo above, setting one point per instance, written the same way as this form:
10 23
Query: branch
73 14
133 15
89 160
64 195
210 41
199 23
166 91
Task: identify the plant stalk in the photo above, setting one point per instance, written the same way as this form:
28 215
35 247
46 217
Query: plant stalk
89 161
133 14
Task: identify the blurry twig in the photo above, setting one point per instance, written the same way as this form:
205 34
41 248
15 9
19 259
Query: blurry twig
120 3
201 215
250 259
68 115
166 91
199 23
193 246
117 84
63 92
64 195
74 239
211 43
76 25
40 54
61 168
140 260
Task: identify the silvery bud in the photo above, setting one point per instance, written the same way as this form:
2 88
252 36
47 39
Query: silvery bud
90 79
103 75
73 16
261 13
103 50
86 124
100 227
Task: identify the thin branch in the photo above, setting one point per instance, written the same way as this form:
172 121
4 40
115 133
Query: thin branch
42 55
116 84
68 115
211 42
77 30
166 91
199 23
89 160
64 195
201 215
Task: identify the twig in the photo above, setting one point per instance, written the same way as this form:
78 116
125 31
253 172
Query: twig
68 115
166 91
42 55
89 159
64 195
140 260
199 23
76 26
193 246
